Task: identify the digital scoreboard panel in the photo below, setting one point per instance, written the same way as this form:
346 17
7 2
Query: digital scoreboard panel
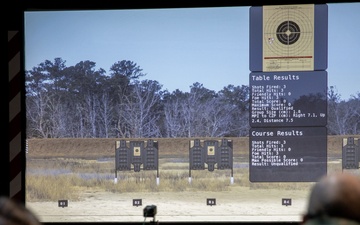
288 99
294 154
289 37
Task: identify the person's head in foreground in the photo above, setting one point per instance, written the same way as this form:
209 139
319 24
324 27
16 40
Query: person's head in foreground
14 213
335 199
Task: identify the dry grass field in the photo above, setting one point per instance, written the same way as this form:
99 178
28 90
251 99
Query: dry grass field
82 171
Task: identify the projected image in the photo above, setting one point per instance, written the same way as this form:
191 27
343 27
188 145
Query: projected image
152 115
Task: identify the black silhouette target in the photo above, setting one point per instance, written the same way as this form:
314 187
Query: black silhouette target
288 32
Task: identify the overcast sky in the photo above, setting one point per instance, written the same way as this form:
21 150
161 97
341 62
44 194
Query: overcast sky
178 47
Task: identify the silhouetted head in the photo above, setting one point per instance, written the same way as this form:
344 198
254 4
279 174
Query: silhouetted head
14 213
335 195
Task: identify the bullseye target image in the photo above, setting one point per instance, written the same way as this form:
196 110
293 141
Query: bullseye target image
288 38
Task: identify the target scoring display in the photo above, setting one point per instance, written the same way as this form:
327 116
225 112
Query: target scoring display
288 38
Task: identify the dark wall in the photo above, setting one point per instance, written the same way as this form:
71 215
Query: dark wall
12 97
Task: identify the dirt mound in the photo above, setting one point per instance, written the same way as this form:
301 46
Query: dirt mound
105 147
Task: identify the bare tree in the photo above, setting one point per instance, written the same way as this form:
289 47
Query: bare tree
105 112
36 115
337 113
139 112
217 118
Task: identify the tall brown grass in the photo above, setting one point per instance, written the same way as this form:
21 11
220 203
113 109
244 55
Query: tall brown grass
63 178
65 168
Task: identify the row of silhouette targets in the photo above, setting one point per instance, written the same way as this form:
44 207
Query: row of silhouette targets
144 155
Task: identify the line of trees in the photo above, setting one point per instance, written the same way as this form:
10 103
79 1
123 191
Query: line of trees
84 102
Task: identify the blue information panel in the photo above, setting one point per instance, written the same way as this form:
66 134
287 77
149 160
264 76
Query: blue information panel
296 154
288 99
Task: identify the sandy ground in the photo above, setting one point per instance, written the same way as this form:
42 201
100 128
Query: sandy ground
241 204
